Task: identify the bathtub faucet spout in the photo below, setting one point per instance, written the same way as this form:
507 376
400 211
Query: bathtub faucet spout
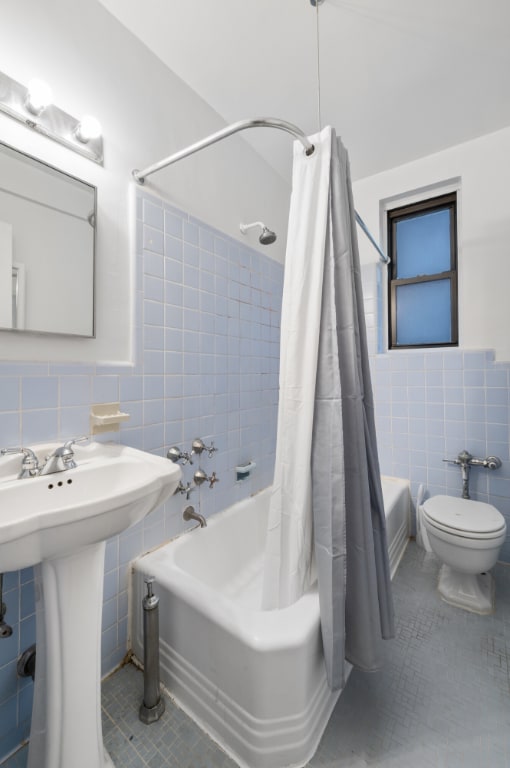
190 514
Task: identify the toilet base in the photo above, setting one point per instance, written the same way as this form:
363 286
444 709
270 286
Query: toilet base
471 591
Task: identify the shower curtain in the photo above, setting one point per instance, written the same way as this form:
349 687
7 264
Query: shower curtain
326 515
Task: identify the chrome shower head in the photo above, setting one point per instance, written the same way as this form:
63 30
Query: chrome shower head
267 236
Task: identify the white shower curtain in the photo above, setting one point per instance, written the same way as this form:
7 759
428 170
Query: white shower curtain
326 508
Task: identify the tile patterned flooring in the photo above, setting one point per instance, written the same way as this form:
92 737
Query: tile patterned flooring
442 699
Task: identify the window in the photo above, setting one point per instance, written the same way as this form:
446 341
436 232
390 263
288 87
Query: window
422 287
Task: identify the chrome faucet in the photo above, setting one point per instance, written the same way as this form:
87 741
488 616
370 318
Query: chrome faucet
190 514
58 461
29 464
62 458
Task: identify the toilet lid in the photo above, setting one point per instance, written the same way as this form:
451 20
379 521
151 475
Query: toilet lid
464 515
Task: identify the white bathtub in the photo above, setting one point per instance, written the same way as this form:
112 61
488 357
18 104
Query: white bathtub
254 680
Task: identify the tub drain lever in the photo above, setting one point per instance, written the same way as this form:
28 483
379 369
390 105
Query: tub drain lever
153 704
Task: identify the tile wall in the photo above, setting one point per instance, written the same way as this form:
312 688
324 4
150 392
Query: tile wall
432 404
207 337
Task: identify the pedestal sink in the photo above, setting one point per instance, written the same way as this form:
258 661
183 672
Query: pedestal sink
61 522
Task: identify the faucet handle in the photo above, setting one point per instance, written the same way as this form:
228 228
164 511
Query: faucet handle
213 479
29 464
175 454
69 443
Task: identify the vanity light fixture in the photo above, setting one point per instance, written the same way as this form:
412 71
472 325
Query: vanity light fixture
33 106
39 96
87 129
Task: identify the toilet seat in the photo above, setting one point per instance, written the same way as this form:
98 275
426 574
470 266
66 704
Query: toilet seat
464 518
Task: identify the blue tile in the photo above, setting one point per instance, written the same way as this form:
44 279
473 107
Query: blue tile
152 215
153 337
153 240
153 387
74 421
112 554
173 252
190 232
105 389
206 239
23 369
75 390
39 426
497 414
153 437
496 378
474 395
173 224
153 412
39 392
190 255
453 359
153 288
153 264
10 430
474 378
9 393
109 614
154 313
475 360
131 388
173 293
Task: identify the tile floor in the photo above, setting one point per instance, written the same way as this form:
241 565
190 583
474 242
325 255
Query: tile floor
441 701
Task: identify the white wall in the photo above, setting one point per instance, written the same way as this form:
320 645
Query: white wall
95 66
483 167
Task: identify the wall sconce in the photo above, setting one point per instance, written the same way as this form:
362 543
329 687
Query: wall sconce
32 105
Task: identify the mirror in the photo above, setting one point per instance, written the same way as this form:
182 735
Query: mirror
47 237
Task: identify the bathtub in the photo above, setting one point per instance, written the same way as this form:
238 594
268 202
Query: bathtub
254 680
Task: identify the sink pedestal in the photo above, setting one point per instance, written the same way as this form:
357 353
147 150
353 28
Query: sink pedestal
60 522
66 721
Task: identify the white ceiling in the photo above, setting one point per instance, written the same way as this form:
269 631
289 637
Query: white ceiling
400 79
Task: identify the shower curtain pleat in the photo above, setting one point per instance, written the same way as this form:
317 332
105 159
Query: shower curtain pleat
338 464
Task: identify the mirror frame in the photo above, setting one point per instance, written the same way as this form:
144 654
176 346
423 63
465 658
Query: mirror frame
92 216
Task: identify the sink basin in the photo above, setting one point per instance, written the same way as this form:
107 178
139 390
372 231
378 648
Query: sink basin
112 487
60 523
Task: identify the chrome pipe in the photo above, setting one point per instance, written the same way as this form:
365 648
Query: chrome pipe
241 125
153 704
384 258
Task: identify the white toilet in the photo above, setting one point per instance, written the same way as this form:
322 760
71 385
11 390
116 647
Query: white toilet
466 536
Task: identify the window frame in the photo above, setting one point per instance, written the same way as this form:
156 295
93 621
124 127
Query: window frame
394 215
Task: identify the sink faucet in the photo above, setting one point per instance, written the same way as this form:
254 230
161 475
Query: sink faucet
62 458
30 462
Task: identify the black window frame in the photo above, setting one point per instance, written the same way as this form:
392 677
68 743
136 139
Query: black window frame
394 215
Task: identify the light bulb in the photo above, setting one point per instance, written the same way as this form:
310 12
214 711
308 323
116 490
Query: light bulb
38 97
88 128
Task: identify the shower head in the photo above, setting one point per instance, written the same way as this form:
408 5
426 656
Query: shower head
267 236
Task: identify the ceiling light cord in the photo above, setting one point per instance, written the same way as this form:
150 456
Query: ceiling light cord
317 36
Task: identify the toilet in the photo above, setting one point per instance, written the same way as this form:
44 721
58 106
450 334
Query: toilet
466 536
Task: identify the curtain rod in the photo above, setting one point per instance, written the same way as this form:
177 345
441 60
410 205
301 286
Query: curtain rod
241 125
